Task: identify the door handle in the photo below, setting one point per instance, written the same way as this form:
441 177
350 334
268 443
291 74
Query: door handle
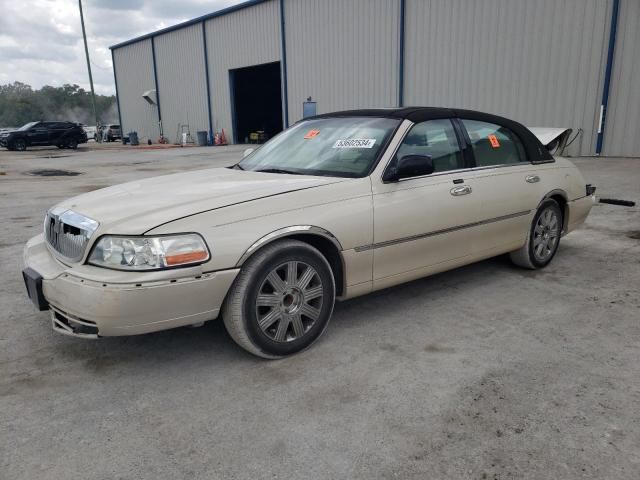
532 178
461 190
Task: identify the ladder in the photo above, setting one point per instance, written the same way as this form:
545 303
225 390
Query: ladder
183 135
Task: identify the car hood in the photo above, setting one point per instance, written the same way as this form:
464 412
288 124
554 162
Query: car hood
136 207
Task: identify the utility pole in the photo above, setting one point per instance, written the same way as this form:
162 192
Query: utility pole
86 51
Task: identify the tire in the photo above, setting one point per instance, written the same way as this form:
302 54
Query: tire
72 143
60 146
290 315
20 144
543 238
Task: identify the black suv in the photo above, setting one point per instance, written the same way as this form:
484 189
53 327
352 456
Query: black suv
60 134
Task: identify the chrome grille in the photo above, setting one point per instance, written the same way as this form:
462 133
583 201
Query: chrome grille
68 232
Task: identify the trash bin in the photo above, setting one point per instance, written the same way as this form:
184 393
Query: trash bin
133 138
202 138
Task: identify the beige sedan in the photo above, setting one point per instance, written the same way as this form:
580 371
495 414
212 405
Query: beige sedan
337 206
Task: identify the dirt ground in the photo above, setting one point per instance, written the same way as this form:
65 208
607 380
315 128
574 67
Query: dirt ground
484 372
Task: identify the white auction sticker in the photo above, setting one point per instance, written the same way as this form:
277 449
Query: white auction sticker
355 143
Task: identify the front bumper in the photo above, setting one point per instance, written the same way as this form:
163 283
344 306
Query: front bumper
91 302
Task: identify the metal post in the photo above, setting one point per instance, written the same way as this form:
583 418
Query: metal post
115 79
155 79
401 54
283 42
86 52
206 72
607 75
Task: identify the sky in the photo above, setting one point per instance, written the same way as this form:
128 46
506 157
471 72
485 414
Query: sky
41 40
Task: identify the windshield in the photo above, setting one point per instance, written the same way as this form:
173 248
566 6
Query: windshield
27 126
336 147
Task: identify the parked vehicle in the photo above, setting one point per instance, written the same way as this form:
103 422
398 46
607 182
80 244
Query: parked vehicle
60 134
110 133
90 131
337 206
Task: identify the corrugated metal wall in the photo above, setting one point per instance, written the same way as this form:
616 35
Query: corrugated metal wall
622 132
134 74
239 39
539 62
182 80
343 53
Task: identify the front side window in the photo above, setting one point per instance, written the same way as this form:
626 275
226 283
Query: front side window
436 139
494 144
335 147
27 126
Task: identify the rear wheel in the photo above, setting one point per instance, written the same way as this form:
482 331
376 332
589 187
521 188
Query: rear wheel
20 144
281 301
543 239
72 143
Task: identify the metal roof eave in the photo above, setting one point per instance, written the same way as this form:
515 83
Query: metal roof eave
208 16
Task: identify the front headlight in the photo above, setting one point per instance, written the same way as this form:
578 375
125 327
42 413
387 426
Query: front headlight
149 253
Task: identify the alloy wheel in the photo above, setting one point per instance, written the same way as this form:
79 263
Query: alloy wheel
546 234
289 301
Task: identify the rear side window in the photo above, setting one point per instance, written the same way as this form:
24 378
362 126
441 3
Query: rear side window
437 139
494 144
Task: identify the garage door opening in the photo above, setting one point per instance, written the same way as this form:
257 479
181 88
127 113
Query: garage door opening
256 100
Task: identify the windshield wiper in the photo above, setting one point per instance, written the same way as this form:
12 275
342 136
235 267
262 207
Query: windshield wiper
278 170
236 167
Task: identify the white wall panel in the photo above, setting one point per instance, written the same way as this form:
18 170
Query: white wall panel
343 53
240 39
540 62
622 132
182 80
134 75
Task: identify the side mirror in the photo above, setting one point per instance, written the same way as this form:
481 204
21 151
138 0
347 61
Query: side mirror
247 152
409 166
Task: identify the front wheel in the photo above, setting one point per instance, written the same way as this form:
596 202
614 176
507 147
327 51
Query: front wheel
20 144
72 143
543 239
281 301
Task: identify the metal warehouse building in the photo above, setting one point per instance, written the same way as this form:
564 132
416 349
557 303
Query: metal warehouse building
251 67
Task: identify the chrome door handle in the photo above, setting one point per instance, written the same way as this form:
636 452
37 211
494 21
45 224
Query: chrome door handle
532 178
461 190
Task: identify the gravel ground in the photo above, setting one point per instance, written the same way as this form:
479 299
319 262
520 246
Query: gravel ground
484 372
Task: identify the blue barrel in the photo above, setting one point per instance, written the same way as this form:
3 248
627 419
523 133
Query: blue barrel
133 138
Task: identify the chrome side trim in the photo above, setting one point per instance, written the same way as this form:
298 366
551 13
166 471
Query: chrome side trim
420 236
285 232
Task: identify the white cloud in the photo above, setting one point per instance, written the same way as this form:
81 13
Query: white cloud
41 40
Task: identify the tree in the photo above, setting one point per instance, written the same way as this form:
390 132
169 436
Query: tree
20 104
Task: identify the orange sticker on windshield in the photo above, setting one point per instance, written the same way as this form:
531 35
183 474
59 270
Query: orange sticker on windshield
493 140
311 134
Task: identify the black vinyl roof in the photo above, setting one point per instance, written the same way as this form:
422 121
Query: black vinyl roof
536 152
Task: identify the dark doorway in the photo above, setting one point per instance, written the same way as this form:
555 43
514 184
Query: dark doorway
256 102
